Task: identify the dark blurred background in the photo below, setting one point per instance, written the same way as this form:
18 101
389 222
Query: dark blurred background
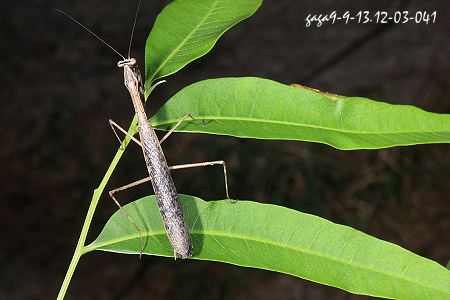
60 86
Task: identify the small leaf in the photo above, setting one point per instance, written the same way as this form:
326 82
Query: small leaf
187 29
275 238
264 109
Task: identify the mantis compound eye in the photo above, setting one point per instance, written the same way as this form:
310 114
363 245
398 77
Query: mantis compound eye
126 62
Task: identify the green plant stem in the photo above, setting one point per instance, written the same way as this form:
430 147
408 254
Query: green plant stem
79 250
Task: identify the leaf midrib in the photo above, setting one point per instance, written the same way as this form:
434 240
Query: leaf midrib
277 122
183 41
270 242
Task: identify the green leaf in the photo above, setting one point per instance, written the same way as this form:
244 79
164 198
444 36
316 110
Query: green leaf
264 109
275 238
187 29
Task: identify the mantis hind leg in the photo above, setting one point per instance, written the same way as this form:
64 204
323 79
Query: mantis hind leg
205 164
130 185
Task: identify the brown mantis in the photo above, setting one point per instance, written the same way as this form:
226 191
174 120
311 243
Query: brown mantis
159 172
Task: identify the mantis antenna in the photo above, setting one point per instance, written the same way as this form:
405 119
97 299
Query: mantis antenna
91 32
134 25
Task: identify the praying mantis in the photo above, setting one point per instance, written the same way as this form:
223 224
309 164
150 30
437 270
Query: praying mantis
155 161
